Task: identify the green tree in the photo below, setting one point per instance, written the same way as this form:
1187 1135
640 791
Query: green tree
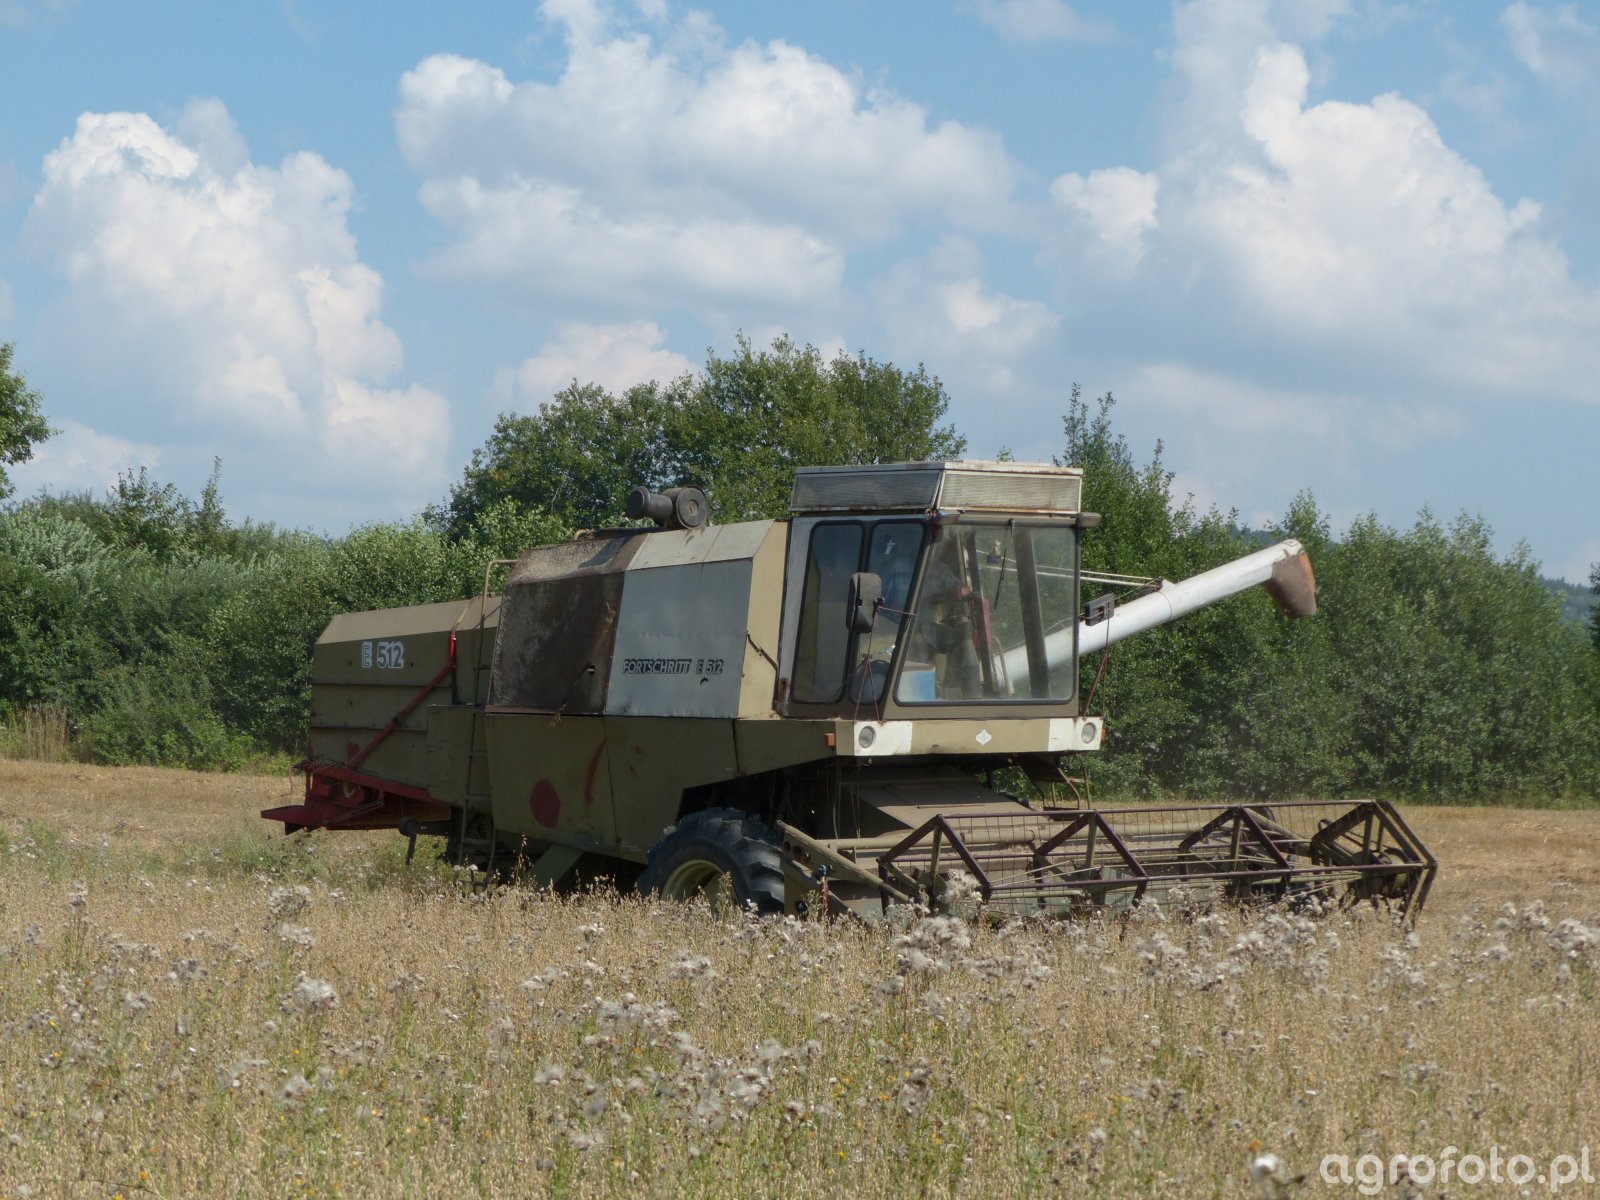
1140 523
1434 669
22 423
738 430
1594 613
575 458
52 574
757 415
140 513
1160 691
1465 680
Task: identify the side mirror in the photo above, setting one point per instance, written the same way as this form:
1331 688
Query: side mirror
863 600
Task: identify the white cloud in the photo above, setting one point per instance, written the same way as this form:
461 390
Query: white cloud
663 159
1556 44
236 285
1119 205
548 238
614 356
1038 20
206 125
1356 223
1345 239
936 308
78 457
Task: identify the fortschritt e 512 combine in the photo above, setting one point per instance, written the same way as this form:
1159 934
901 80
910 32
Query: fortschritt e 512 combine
807 715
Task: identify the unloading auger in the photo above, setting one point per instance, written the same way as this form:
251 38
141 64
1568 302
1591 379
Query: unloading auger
805 714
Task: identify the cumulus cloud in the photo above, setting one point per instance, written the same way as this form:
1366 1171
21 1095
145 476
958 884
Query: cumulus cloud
614 356
1346 237
937 308
550 239
237 286
1214 42
1118 204
1356 223
78 457
1308 287
663 159
1038 20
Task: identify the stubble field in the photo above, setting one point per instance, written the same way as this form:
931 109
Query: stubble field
193 1006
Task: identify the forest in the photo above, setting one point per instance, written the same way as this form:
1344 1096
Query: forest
147 626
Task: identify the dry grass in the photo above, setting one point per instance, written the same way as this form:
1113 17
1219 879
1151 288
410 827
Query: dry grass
40 732
179 1018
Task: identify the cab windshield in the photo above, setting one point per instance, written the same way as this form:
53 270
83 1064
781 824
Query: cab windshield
993 617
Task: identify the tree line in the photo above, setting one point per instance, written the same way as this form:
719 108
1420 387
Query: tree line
151 627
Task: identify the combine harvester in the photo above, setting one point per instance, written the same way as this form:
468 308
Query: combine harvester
802 715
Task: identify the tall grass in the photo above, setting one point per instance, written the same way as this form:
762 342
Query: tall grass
40 732
216 1022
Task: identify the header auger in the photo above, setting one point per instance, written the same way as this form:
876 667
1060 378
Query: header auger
800 715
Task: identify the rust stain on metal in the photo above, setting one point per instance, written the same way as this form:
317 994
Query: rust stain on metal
544 804
588 779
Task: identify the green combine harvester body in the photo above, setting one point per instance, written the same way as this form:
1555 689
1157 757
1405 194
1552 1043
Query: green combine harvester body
808 712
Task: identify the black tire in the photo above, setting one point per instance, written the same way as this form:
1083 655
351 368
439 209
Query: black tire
713 852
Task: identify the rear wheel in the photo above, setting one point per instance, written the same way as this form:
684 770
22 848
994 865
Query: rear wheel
721 855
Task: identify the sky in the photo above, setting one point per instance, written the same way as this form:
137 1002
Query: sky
1345 246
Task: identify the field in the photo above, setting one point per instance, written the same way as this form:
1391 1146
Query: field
191 1006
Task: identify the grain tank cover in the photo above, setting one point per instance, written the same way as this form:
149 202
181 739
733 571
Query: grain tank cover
932 486
559 623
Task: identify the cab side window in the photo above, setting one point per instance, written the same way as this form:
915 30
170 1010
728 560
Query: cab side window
824 637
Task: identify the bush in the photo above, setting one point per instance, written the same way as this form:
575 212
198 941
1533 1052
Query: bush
161 713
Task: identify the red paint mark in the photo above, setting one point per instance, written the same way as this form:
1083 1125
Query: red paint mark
588 782
544 804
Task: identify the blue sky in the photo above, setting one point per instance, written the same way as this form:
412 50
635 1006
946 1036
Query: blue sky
1343 245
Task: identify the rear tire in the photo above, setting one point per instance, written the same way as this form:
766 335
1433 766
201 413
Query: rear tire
724 856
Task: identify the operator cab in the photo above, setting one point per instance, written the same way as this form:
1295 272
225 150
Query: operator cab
915 589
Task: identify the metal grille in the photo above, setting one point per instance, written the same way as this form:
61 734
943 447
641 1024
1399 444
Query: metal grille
1011 492
865 489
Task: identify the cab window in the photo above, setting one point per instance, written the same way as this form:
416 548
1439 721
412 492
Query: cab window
826 650
824 640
